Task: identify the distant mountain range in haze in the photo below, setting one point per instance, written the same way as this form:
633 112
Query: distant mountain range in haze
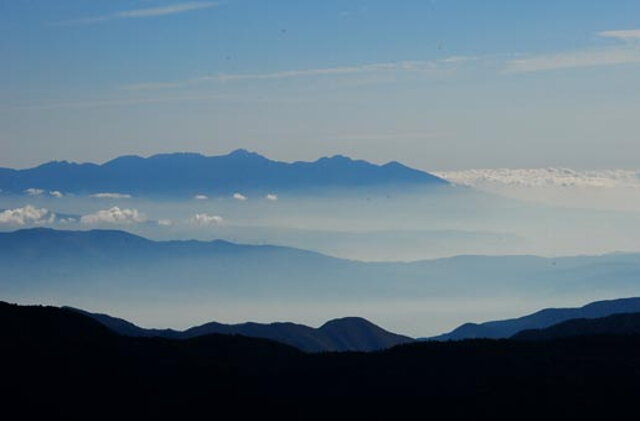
540 320
122 268
345 334
180 174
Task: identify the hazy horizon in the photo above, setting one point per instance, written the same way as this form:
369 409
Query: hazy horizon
436 85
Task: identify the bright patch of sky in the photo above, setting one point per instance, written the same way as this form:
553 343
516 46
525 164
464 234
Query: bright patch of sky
439 85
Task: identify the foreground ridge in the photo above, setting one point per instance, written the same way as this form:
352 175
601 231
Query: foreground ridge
346 334
50 355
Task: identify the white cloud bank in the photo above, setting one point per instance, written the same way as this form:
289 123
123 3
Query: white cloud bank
202 219
28 215
200 197
57 194
240 197
111 196
271 197
115 215
544 177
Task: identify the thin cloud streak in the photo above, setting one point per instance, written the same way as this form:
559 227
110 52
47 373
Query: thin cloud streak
145 13
402 66
581 58
573 59
625 34
116 102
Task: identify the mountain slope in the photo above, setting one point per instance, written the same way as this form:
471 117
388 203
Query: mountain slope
347 334
617 324
190 174
540 319
59 364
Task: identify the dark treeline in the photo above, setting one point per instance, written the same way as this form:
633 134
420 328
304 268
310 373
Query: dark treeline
57 363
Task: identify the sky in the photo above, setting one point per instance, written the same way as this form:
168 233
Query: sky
440 85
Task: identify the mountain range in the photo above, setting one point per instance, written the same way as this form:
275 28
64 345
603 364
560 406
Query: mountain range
540 320
339 335
180 174
133 274
60 364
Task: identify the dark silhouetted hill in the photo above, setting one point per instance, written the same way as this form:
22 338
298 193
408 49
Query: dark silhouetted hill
617 324
540 319
190 174
347 334
61 364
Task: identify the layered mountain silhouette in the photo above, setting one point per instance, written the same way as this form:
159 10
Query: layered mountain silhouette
540 320
122 267
191 174
617 324
60 364
346 334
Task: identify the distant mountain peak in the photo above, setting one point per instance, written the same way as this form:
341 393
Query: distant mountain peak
339 157
241 152
347 321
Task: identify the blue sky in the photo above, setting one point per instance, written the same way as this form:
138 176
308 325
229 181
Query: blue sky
436 84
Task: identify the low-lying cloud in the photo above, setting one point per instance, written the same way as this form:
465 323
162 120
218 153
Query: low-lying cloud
27 215
114 215
203 219
544 177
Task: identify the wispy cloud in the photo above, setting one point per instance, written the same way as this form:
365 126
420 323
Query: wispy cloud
394 66
588 57
625 34
111 196
144 13
32 191
574 59
117 102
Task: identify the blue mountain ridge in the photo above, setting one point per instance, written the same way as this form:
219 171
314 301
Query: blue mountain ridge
120 267
191 173
540 320
338 335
